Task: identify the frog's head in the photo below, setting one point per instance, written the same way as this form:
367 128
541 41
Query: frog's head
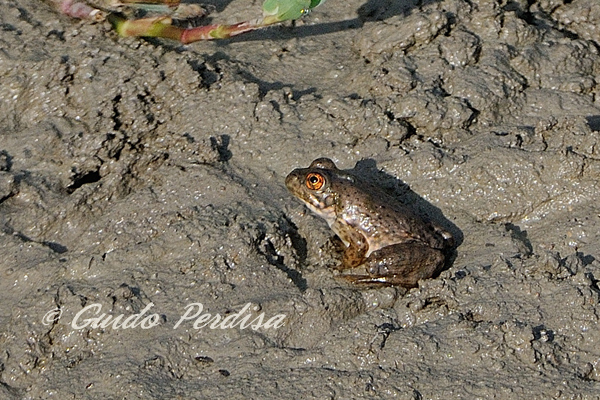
314 186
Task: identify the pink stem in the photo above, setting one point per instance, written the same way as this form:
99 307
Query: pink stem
76 9
157 27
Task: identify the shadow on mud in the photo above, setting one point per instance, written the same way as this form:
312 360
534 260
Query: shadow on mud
367 170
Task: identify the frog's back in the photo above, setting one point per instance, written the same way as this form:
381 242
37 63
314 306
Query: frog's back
383 220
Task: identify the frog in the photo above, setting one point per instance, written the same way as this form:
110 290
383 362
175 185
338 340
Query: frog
397 245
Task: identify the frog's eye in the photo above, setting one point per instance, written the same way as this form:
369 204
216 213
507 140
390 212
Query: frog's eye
314 181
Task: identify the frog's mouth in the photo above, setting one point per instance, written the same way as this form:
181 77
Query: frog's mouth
322 203
323 211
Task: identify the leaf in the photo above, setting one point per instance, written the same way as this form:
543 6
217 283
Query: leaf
283 10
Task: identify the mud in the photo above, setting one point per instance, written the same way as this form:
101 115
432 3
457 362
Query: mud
143 171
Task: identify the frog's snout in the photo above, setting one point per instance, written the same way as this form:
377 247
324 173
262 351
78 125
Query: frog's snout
291 181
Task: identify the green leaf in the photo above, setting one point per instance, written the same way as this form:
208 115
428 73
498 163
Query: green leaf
283 10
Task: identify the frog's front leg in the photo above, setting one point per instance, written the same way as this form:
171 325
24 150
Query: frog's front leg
402 264
356 246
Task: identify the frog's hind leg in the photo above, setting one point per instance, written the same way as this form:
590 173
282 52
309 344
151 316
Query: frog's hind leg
370 281
402 264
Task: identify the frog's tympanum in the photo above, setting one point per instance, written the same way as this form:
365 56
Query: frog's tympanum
395 244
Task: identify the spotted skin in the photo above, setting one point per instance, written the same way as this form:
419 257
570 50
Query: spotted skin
394 244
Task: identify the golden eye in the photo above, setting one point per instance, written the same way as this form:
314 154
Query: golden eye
314 181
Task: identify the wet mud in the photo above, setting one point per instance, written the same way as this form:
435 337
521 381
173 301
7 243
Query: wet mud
143 171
